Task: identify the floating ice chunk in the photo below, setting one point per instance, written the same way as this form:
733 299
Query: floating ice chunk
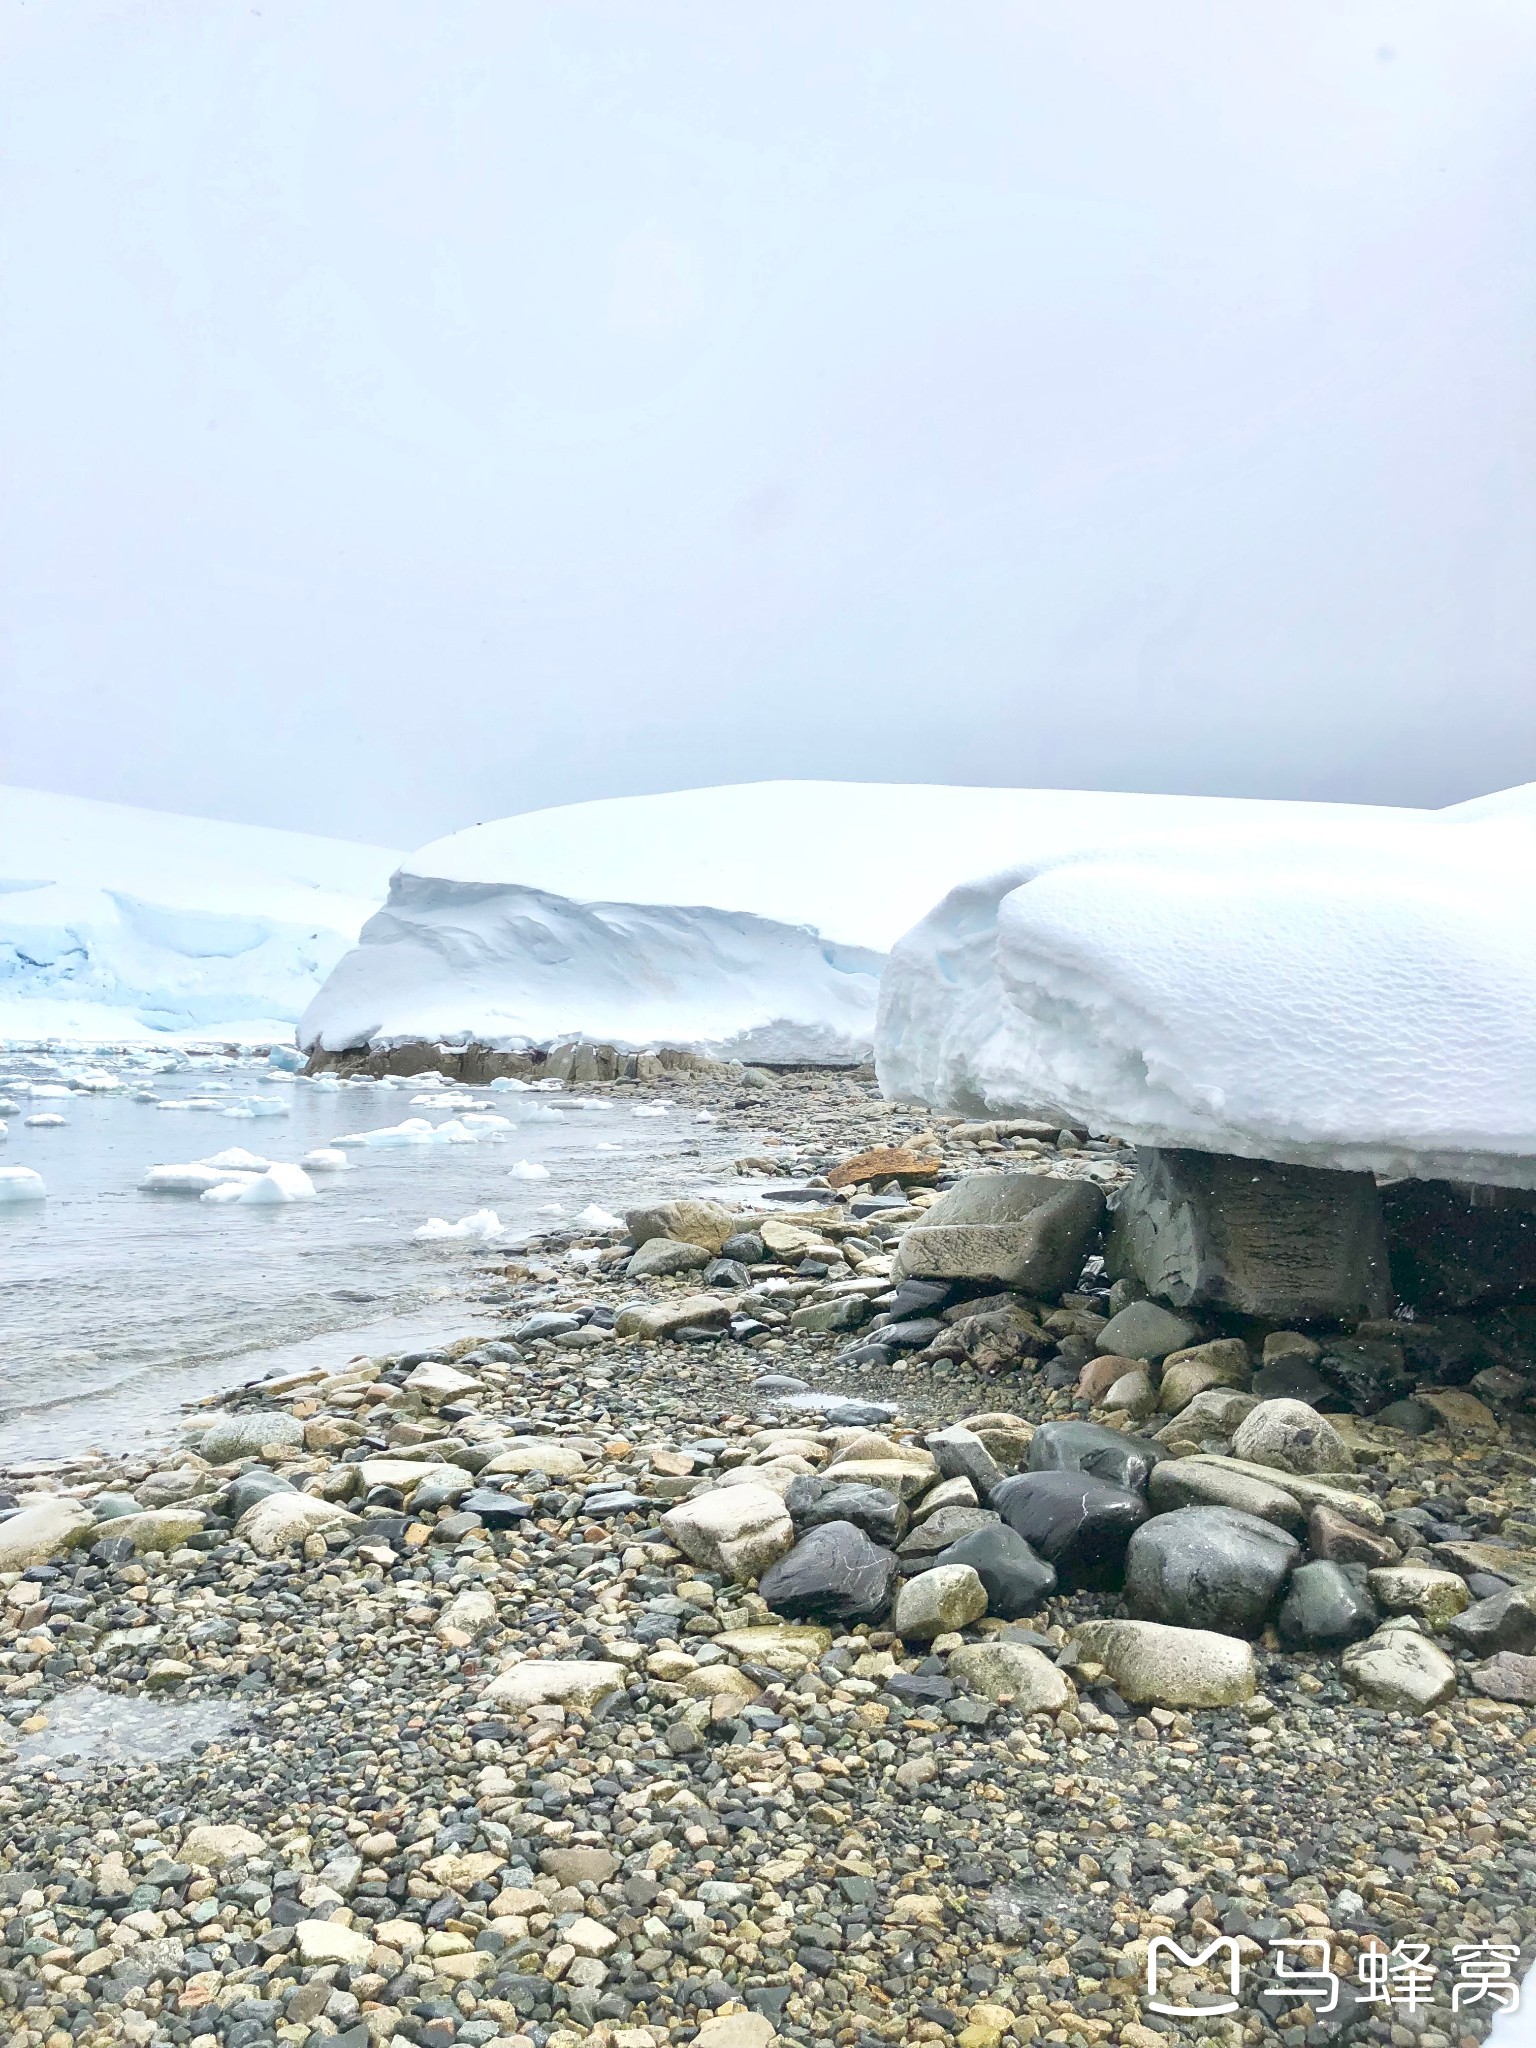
191 1102
529 1169
414 1131
538 1113
584 1259
280 1184
21 1184
607 1145
551 1208
237 1158
42 1089
96 1081
454 1133
226 1191
485 1122
45 1120
191 1179
651 1109
4 1133
437 1101
705 1116
239 1109
594 1218
582 1102
479 1227
329 1083
508 1084
326 1159
265 1106
7 1106
548 1087
286 1058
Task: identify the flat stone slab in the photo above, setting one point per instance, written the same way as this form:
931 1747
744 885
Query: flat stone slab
1193 1482
1357 1507
1154 1664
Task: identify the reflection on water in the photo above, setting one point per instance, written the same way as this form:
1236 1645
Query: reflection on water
117 1305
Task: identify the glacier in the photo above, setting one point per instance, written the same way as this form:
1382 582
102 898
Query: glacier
1320 985
119 924
749 921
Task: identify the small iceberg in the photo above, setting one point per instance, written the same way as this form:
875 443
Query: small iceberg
479 1228
280 1184
594 1218
326 1159
485 1123
508 1084
287 1059
21 1184
651 1109
45 1120
529 1169
226 1191
238 1160
193 1178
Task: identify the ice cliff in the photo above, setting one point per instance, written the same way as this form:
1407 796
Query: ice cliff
120 923
750 920
1325 985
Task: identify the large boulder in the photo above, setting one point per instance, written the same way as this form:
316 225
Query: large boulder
1193 1483
1153 1665
834 1573
1211 1568
812 1500
706 1224
245 1436
1029 1231
947 1598
44 1529
1069 1446
1017 1582
1399 1668
653 1320
1001 1670
1289 1436
1077 1523
659 1257
1286 1242
738 1531
283 1521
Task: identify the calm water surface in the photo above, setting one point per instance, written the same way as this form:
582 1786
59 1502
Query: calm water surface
117 1305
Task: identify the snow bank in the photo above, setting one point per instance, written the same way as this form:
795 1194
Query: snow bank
1335 987
123 924
749 921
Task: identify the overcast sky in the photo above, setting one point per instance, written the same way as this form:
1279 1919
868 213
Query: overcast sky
416 413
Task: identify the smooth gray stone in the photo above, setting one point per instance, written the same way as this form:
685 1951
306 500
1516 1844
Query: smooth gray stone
1208 1568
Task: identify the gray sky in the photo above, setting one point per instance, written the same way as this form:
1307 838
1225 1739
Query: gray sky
418 413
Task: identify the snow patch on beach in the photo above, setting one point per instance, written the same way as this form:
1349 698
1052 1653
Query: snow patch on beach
1331 986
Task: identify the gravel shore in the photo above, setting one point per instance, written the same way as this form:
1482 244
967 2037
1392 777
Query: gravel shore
334 1793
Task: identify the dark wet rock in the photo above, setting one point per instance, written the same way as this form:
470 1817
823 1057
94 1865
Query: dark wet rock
746 1246
1296 1243
730 1274
911 1335
1018 1581
251 1487
1368 1374
838 1411
1210 1568
1410 1416
812 1501
834 1573
942 1528
1076 1522
1507 1621
1326 1606
1454 1246
1291 1379
548 1323
496 1510
1088 1447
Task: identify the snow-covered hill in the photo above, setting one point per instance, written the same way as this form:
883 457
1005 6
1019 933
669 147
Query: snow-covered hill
120 923
751 919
